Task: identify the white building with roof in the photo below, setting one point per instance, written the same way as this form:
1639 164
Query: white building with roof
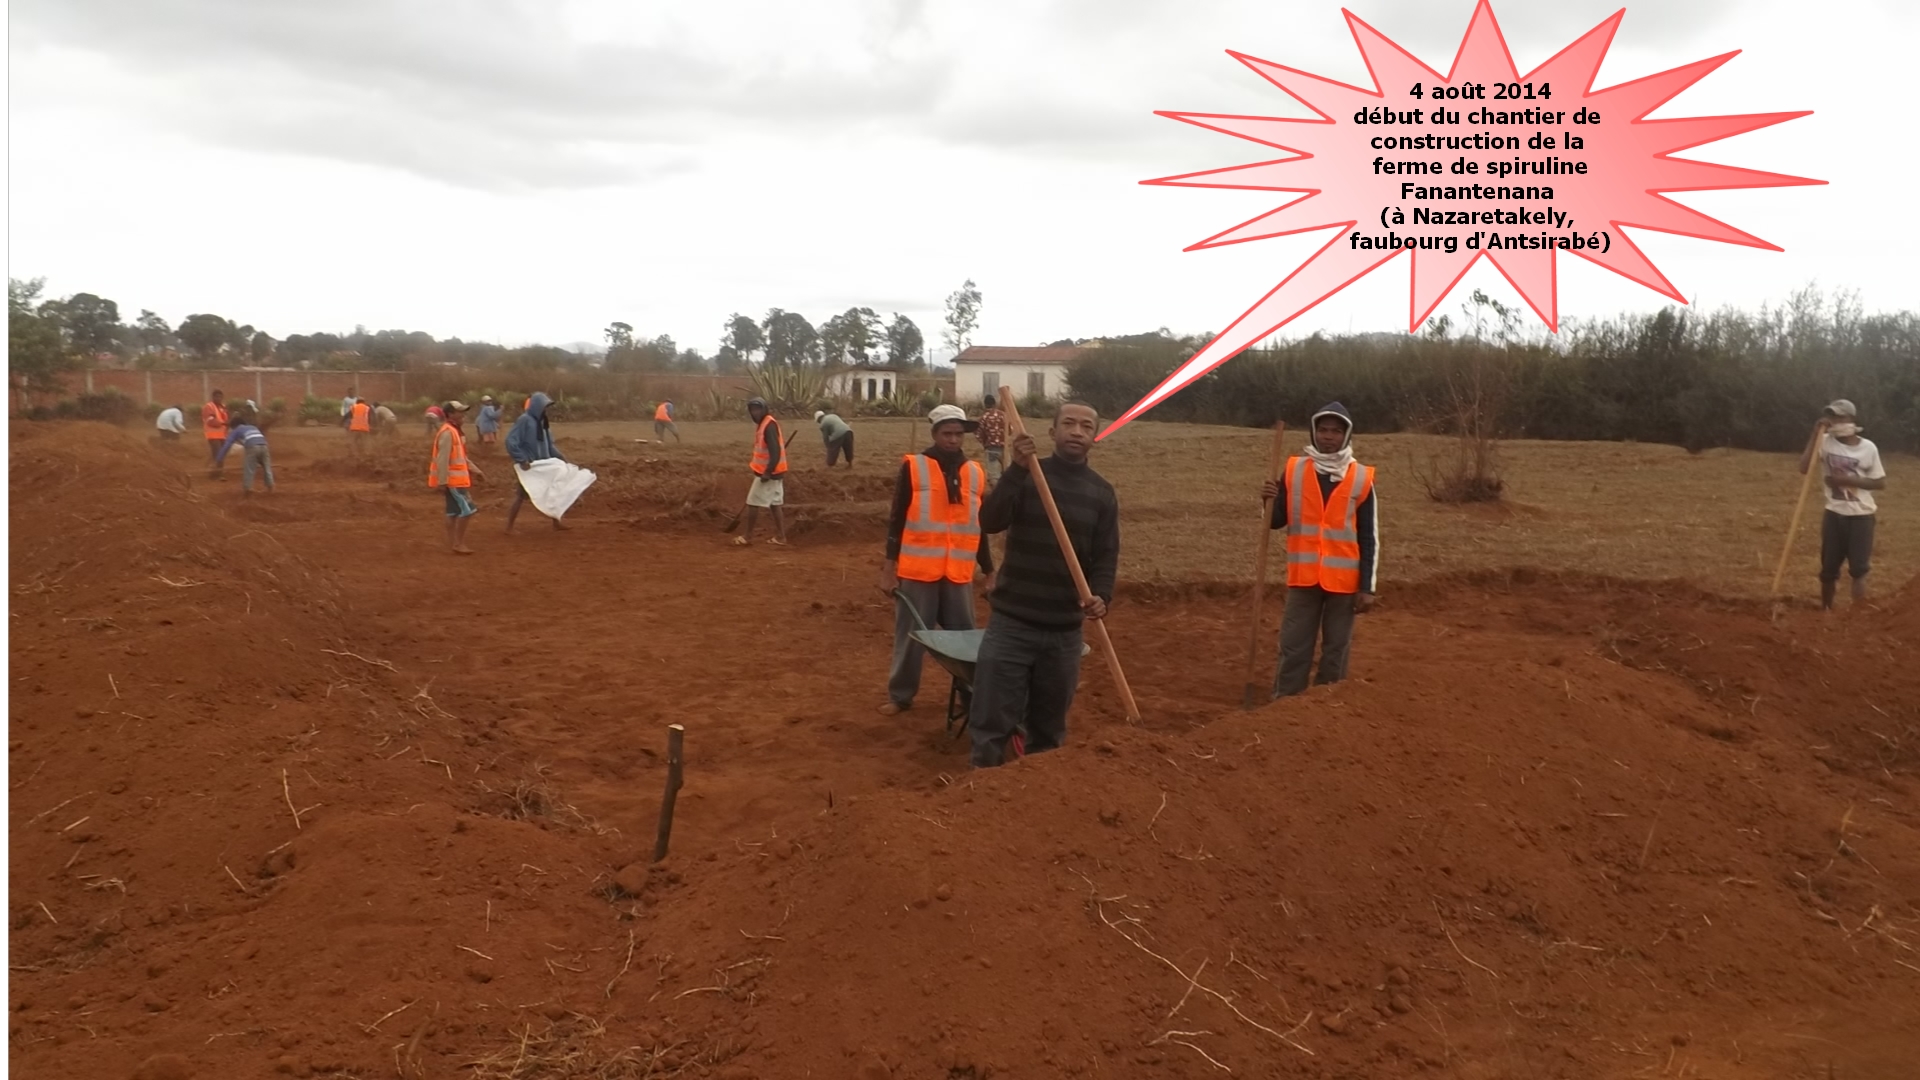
863 383
1040 371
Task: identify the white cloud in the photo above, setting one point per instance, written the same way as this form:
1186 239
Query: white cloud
534 170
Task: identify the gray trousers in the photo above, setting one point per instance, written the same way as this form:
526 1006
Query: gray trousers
994 453
252 458
1026 678
945 605
1312 612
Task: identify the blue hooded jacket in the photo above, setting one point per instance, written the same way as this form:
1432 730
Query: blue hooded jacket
530 440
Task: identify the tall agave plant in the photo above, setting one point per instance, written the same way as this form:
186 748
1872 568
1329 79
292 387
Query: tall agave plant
793 388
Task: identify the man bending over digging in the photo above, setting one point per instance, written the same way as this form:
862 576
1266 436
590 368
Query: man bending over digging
1029 664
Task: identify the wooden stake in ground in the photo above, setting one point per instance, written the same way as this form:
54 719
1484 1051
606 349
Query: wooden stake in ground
1276 459
675 734
1016 428
1806 483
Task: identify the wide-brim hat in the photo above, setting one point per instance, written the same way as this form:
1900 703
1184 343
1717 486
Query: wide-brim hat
944 414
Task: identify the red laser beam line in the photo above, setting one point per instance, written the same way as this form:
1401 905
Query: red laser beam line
1334 175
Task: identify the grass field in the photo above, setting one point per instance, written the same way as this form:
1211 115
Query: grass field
1188 509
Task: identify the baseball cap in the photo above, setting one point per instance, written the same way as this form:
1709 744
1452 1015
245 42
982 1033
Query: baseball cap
942 414
1840 407
456 406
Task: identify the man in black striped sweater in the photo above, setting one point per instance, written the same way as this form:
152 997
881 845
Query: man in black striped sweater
1029 662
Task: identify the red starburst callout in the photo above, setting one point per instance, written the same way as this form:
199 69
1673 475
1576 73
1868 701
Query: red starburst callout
1496 175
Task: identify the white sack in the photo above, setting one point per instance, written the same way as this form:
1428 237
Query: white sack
554 485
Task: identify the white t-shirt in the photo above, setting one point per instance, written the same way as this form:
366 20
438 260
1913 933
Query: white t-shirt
171 420
1861 460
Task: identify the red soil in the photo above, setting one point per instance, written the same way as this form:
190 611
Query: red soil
1554 826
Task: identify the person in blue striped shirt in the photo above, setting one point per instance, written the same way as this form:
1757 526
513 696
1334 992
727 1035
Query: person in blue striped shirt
253 454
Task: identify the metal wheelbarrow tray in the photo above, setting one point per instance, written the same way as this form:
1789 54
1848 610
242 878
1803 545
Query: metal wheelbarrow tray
955 650
958 651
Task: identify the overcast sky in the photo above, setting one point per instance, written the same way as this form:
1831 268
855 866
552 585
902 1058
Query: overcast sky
532 170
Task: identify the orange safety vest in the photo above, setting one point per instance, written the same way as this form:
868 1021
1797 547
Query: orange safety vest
213 419
358 417
760 447
941 540
1323 544
457 475
660 414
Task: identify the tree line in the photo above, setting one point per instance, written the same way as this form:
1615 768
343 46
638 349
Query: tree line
1727 378
53 337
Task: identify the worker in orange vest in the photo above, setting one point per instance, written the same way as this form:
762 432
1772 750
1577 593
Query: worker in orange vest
663 422
1324 500
769 465
933 547
213 424
454 474
359 426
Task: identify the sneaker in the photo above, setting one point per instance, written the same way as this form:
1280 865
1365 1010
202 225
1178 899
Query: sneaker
891 709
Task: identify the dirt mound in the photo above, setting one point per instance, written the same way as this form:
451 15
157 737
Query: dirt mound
1548 846
1903 613
264 821
225 815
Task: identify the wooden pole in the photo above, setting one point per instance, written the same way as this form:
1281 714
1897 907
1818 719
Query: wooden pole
1016 428
675 733
1276 457
1806 483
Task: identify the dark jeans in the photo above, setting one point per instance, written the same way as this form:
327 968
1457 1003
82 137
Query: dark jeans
1025 678
1313 612
1845 538
945 605
843 444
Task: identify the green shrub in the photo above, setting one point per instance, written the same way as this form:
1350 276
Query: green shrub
109 405
319 409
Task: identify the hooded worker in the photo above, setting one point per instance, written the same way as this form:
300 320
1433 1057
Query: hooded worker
530 440
933 547
1324 500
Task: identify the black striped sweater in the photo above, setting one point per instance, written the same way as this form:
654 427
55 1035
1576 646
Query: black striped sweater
1034 585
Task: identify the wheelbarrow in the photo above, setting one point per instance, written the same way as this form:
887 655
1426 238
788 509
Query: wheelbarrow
958 651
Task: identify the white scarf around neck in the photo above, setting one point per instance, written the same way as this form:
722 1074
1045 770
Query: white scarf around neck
1332 465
